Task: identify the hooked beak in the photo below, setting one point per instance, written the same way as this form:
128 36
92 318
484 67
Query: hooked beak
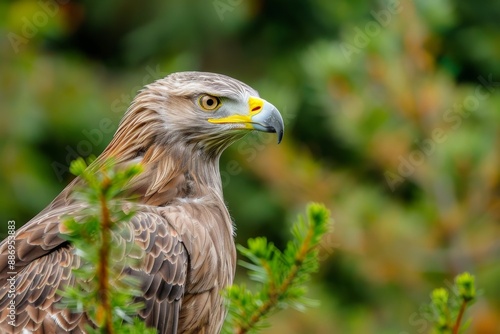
262 116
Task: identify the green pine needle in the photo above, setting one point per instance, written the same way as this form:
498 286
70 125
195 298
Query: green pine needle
446 309
98 235
283 275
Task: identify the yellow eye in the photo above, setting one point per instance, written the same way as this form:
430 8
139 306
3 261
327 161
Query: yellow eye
209 102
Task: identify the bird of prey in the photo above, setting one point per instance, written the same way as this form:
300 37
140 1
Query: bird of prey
176 128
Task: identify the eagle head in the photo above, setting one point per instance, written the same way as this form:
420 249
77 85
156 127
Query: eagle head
202 111
178 126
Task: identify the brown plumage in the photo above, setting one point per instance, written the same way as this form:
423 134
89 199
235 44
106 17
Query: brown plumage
177 128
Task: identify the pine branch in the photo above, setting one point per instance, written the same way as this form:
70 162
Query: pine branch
461 312
103 265
101 290
447 311
283 275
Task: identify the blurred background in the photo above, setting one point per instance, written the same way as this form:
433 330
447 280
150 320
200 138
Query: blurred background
392 121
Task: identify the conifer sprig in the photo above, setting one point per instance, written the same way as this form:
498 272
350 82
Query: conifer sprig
282 275
98 234
447 310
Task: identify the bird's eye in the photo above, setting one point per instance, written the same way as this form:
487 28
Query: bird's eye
209 102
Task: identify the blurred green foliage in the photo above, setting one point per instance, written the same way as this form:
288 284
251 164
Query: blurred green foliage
391 112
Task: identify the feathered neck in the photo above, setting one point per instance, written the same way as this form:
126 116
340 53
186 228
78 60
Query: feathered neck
174 173
171 169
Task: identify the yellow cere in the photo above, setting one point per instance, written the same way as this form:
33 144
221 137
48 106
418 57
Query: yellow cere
255 105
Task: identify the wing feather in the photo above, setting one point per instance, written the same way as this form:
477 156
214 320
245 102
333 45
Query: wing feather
45 260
